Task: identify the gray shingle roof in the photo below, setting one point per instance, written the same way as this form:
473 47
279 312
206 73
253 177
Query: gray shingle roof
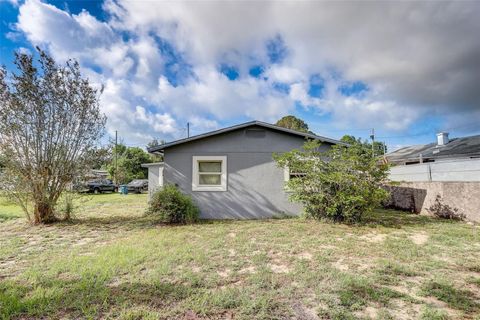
244 125
456 148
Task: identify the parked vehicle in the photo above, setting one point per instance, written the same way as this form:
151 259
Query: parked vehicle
137 186
97 186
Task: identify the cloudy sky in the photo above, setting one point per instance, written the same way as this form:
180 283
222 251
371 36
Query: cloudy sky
406 69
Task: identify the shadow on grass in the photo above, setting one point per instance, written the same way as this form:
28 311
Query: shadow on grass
397 219
112 222
388 218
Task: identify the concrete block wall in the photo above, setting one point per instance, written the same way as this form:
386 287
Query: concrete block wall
419 197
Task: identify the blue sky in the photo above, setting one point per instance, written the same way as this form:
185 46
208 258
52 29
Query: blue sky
407 70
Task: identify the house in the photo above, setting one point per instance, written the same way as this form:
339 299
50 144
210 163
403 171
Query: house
230 173
441 150
438 178
446 160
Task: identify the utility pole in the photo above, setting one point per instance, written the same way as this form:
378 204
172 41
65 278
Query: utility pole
116 167
372 136
188 129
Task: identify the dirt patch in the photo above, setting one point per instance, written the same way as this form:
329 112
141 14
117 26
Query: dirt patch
302 312
340 265
115 283
279 268
419 238
374 237
403 311
364 265
84 241
196 269
328 247
250 269
305 256
224 273
371 312
191 315
68 277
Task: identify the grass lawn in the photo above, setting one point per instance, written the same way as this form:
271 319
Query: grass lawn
113 263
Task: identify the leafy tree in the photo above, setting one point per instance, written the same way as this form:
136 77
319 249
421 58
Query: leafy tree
101 157
50 122
119 149
351 139
293 123
155 142
341 184
379 147
129 161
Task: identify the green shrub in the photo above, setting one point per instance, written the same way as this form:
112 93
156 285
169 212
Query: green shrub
172 206
339 184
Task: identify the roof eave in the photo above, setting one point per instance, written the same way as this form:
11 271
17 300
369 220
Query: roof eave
240 126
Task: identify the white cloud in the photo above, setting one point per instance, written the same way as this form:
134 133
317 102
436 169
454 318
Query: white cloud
419 54
285 74
417 59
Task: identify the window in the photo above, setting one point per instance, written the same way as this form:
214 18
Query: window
288 175
209 173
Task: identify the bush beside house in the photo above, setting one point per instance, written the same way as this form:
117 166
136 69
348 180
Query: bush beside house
339 185
170 205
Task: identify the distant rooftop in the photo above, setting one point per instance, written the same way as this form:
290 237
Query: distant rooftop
466 147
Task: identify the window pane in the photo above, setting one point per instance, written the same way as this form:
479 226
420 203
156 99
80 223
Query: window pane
297 175
210 166
210 179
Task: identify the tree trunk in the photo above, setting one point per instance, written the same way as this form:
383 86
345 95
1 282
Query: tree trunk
44 213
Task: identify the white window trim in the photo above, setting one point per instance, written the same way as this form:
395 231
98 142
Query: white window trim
195 174
286 174
286 178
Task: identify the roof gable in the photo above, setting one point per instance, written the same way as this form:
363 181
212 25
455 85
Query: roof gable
241 126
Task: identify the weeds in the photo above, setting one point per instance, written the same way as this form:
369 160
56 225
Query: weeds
111 262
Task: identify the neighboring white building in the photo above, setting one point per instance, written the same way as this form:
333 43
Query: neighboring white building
155 176
455 159
444 149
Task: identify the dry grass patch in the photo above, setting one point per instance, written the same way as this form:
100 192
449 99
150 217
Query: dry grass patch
113 263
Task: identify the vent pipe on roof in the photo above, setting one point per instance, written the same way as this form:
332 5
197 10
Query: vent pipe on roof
442 138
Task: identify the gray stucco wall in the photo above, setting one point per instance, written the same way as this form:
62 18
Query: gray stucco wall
255 186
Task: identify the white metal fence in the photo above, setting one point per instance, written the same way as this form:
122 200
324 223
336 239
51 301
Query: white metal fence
454 170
